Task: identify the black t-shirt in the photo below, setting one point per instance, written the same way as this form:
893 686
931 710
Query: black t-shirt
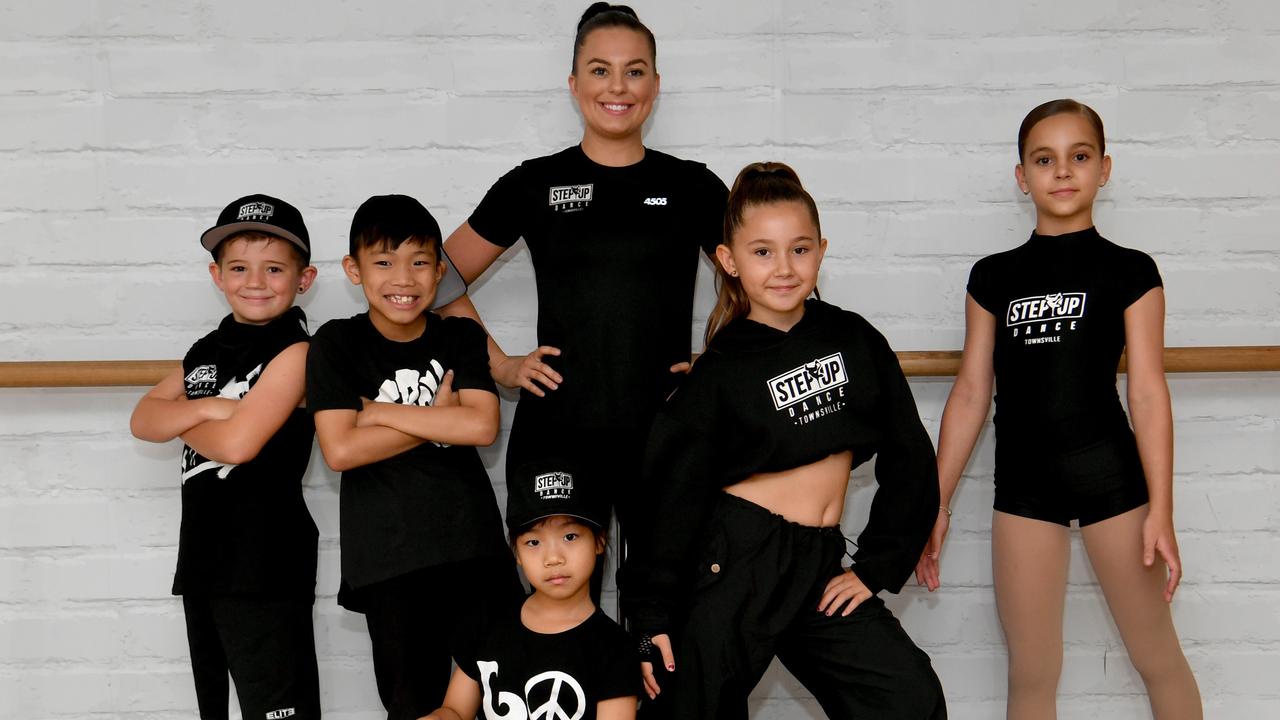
763 400
615 252
560 675
1059 304
432 504
245 528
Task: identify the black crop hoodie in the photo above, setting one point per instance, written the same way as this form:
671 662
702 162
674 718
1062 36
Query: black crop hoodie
762 400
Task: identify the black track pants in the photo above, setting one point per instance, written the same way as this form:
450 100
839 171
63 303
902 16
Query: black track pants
760 578
268 647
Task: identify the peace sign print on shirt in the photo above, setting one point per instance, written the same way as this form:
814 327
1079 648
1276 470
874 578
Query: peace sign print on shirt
564 700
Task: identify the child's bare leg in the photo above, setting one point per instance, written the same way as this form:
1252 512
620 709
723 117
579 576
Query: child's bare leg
1134 593
1029 561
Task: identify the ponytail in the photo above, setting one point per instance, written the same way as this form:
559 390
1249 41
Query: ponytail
761 183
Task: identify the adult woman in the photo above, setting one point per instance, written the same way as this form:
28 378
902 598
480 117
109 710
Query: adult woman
613 229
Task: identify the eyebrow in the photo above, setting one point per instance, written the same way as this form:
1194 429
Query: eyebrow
1046 148
637 61
798 238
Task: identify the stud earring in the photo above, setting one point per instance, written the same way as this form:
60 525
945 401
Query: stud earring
734 273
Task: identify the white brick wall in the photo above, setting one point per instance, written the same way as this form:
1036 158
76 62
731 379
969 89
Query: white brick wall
125 126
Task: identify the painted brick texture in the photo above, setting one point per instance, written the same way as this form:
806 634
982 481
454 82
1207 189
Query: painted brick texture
125 126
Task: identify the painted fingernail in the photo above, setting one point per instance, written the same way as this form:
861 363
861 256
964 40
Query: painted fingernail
671 666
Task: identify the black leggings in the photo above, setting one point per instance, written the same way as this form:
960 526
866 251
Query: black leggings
759 580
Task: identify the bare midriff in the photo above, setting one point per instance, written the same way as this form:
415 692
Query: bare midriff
810 495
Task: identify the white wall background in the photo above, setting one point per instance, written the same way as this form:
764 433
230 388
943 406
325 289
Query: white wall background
125 126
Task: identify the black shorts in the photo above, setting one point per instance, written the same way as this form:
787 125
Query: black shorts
267 646
1089 484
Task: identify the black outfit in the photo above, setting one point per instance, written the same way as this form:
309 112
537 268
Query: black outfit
762 400
247 547
1064 449
615 254
418 522
523 673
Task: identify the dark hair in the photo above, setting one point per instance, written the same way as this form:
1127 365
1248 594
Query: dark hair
392 220
253 235
761 183
604 15
1059 107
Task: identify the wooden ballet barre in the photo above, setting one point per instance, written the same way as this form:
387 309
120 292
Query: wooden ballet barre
915 363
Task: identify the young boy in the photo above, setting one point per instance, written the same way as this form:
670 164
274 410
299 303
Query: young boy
556 655
400 398
247 547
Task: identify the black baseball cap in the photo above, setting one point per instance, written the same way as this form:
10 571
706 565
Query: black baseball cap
551 486
265 214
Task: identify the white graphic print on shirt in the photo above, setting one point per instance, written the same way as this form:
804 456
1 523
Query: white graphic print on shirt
572 706
811 390
570 198
413 387
193 463
1045 316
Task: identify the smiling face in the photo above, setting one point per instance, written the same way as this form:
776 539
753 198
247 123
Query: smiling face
775 253
1062 170
399 285
558 556
260 277
615 83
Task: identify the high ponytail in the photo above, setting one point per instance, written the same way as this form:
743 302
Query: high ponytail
761 183
604 15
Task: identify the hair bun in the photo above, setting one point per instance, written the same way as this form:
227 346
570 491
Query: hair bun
604 7
762 169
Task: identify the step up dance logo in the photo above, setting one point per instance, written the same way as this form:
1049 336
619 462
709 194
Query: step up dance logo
571 198
1039 319
811 390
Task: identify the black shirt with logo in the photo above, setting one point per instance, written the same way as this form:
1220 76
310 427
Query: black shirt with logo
429 505
558 675
615 253
1059 305
245 528
763 400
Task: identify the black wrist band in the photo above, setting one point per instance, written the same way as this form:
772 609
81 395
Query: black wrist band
646 646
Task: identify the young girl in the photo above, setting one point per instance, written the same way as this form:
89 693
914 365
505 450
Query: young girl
556 655
751 459
1049 320
614 230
